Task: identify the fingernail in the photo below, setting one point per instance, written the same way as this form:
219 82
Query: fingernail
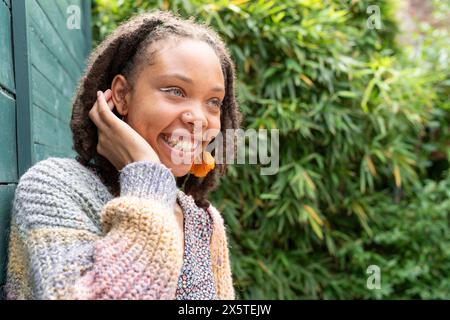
99 93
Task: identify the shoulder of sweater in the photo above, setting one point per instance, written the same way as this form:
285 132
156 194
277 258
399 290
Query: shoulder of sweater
54 170
62 190
61 165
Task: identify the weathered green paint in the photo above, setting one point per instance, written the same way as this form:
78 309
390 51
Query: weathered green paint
8 3
6 65
22 66
43 151
49 98
6 197
48 35
87 28
50 130
49 73
42 61
8 153
73 37
8 156
46 62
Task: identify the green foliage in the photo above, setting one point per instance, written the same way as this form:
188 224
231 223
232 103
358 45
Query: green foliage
357 123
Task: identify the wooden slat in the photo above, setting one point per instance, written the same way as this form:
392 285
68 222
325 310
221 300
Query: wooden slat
87 28
8 3
46 64
74 40
51 39
44 152
8 153
22 66
49 98
44 60
6 199
78 34
6 65
50 130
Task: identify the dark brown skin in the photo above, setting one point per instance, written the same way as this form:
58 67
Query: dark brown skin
158 105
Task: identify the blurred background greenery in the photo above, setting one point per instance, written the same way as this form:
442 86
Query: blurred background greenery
363 115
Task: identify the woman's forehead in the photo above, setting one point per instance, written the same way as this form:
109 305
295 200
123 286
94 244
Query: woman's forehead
185 53
188 59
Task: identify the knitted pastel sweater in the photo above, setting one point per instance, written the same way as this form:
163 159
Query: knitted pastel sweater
71 239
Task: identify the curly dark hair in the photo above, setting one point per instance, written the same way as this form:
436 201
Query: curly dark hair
123 52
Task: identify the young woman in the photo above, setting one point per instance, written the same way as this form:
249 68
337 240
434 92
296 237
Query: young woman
114 223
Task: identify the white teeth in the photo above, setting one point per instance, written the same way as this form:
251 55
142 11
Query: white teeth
186 146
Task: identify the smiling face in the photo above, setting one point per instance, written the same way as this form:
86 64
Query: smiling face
181 90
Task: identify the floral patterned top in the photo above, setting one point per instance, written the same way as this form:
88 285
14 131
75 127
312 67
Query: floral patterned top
196 281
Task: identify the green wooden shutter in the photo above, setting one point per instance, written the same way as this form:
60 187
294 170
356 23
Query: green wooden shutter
43 58
8 141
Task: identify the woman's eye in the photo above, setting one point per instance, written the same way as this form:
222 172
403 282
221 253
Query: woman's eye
175 91
217 103
178 92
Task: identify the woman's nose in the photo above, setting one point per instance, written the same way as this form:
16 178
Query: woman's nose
196 118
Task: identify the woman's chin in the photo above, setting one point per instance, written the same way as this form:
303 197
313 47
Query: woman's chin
178 170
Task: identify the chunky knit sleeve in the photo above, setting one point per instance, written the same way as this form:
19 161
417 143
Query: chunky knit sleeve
134 252
220 257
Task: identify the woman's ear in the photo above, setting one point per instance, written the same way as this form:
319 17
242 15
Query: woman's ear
120 92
